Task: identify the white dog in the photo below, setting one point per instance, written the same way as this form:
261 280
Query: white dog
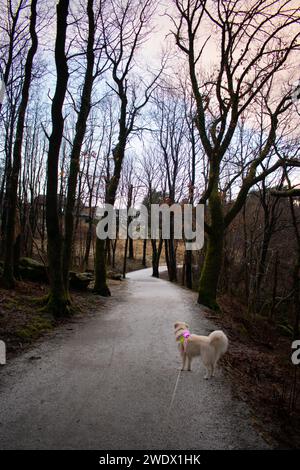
210 347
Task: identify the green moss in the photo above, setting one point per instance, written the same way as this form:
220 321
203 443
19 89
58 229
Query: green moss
59 306
34 328
40 300
31 263
12 304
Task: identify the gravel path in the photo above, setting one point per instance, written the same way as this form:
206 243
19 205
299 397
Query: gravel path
108 383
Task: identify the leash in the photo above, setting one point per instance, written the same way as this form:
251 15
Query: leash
174 393
183 340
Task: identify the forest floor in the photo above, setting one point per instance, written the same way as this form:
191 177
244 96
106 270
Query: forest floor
259 364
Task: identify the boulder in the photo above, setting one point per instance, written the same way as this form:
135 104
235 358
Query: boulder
33 270
114 276
80 281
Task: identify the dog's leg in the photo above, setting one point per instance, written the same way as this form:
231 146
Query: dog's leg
209 371
183 360
214 369
189 363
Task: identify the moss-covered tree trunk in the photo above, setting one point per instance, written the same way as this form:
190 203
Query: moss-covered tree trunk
59 300
101 286
213 257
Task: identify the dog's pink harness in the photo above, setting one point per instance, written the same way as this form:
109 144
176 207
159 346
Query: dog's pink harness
184 338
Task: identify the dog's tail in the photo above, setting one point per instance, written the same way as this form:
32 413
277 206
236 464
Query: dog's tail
219 340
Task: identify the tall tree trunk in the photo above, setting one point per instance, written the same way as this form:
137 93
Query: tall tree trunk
171 259
188 269
167 256
88 246
125 258
187 273
77 145
144 260
114 247
12 190
130 249
267 235
127 241
108 252
156 252
59 299
245 253
213 257
101 286
7 171
170 252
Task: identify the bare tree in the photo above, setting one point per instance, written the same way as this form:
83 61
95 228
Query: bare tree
171 133
14 36
291 193
254 44
59 302
125 27
149 170
13 179
83 113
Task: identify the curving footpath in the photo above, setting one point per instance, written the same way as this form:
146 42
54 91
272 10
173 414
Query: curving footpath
109 382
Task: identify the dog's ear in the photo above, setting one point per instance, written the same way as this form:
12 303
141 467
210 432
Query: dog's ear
176 324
